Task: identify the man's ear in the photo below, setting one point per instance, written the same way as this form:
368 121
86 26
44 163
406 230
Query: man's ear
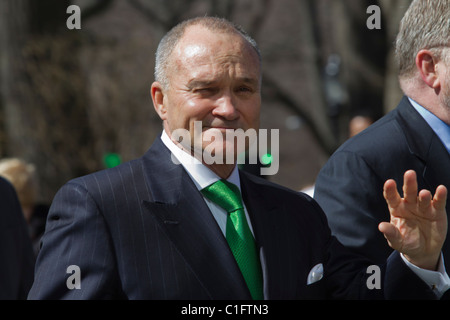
157 94
426 63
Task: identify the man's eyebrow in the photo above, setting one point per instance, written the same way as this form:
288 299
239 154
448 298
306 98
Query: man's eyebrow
200 83
196 83
250 81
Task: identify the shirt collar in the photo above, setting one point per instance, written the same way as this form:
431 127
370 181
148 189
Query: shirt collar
199 173
441 129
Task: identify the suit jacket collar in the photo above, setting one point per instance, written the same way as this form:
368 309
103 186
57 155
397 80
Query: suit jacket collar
180 210
417 131
182 213
423 142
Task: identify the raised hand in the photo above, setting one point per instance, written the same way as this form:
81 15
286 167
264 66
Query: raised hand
418 225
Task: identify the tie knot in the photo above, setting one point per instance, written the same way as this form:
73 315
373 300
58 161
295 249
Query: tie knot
225 194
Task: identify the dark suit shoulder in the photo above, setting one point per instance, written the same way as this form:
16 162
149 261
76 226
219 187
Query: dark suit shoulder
6 188
382 134
272 187
389 147
402 129
123 174
295 202
11 213
16 251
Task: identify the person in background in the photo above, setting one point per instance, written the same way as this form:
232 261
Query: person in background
22 176
359 123
415 135
16 251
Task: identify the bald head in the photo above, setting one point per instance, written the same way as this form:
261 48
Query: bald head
173 37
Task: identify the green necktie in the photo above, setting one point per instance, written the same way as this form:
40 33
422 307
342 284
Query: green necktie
238 234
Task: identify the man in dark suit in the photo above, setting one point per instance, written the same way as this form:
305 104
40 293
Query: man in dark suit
415 135
151 228
16 251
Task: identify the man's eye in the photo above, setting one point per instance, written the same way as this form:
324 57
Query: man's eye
244 89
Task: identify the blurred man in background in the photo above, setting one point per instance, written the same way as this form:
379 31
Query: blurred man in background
416 135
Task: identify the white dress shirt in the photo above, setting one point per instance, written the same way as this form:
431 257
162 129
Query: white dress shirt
202 177
441 129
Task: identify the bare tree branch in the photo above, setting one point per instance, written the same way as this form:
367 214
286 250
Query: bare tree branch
275 92
97 8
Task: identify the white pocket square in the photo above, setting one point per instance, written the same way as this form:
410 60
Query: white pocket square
315 274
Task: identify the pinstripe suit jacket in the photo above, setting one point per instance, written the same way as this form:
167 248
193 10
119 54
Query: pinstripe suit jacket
143 231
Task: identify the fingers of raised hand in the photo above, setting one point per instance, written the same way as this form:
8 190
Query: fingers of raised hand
410 187
391 194
424 200
392 235
440 197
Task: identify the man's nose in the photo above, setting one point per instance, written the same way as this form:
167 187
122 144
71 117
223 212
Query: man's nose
226 107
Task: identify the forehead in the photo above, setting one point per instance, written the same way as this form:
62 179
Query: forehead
201 48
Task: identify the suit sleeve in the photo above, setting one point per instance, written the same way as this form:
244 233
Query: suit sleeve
351 195
76 259
353 276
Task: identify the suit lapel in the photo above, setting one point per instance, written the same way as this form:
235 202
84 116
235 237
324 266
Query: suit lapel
181 212
437 172
437 165
428 148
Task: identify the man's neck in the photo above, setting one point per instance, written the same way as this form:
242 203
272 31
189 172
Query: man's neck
427 97
221 170
435 107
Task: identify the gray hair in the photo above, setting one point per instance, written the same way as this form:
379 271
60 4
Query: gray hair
171 39
425 25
